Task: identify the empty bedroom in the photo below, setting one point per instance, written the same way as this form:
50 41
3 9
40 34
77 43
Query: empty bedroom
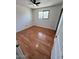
36 26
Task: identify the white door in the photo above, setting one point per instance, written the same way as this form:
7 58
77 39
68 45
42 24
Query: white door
57 50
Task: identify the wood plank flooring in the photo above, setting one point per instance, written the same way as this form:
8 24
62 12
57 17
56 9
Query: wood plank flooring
36 42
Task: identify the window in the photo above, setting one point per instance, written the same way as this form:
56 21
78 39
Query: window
44 14
40 15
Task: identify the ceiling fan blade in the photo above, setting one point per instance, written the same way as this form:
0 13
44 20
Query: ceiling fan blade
38 3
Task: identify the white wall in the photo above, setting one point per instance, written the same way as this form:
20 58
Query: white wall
26 17
23 17
51 23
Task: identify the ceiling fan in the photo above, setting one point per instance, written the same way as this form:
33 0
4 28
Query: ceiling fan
35 2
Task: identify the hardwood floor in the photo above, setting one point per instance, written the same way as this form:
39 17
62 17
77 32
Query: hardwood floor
36 42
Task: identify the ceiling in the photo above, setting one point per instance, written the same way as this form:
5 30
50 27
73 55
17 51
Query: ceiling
44 3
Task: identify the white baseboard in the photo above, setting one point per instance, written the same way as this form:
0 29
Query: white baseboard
45 27
35 25
24 28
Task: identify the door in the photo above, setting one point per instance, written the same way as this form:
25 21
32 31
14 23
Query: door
57 50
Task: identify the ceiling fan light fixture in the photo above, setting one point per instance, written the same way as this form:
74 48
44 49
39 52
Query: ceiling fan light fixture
34 5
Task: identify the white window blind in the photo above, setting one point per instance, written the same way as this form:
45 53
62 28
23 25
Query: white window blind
43 14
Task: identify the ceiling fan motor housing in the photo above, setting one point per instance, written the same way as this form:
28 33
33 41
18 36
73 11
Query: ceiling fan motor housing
34 2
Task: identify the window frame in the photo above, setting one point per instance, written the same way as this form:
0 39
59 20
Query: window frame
43 14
